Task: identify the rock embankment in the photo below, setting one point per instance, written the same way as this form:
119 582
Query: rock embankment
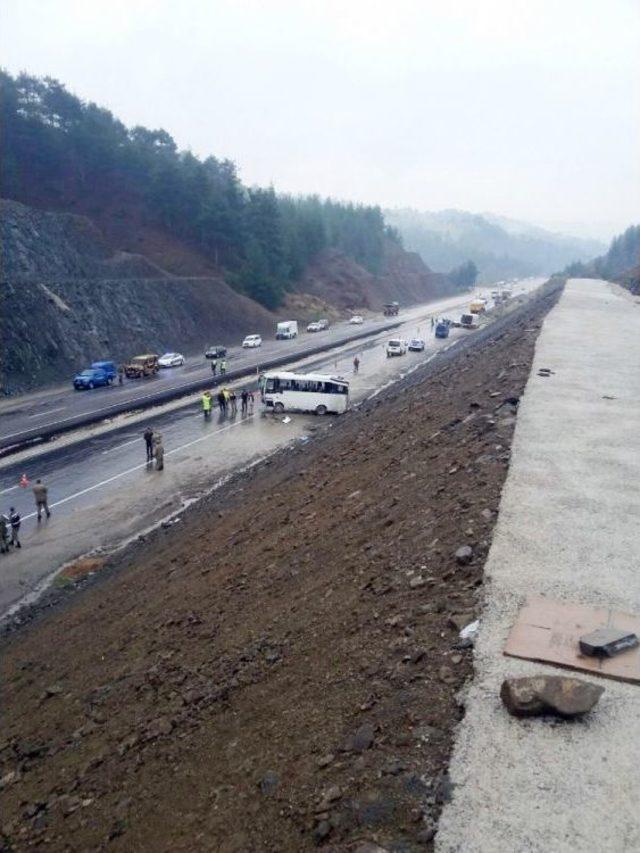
68 300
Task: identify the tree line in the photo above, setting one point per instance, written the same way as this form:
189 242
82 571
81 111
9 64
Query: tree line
622 256
56 146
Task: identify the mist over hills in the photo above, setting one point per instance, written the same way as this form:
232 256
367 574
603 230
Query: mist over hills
500 247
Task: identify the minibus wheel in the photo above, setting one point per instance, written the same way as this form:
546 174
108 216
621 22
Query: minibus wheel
321 410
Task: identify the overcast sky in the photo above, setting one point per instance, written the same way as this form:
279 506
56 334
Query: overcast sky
528 108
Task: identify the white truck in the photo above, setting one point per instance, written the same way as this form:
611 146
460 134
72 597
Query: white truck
287 330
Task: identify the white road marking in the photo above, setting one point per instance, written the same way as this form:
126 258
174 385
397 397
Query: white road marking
124 444
10 489
135 468
48 412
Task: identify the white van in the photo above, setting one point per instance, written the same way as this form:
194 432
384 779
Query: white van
396 347
287 330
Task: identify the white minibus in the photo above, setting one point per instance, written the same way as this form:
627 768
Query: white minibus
305 392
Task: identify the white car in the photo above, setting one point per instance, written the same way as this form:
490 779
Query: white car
252 341
313 327
171 359
396 347
356 320
416 345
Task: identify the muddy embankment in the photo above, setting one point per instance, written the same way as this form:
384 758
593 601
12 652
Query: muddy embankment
279 670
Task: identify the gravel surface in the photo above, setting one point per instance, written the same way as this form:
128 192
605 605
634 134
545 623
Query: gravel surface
568 529
279 670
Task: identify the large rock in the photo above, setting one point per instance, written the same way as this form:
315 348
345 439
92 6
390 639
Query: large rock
464 555
549 694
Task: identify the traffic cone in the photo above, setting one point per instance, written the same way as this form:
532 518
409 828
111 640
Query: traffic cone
24 481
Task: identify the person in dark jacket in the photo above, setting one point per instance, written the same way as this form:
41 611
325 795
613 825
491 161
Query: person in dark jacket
15 521
148 440
158 452
222 402
41 495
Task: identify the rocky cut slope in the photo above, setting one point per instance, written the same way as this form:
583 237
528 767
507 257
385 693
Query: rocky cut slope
68 299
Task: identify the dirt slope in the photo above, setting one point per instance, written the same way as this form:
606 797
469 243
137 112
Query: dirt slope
338 280
277 671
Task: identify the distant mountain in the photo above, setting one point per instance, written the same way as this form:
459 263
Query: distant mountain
500 247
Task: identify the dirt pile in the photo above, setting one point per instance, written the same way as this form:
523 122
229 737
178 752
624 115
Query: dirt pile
279 670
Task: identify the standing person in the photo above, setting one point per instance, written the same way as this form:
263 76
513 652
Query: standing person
432 323
356 364
245 401
233 401
120 374
148 441
250 401
41 494
4 534
223 367
158 452
222 402
15 521
207 402
214 366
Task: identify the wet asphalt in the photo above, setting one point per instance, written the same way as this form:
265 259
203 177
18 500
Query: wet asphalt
102 492
54 406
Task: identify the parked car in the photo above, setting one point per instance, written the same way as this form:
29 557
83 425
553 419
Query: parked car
142 366
252 341
396 347
215 352
313 327
356 320
171 359
90 378
324 324
442 330
109 368
416 345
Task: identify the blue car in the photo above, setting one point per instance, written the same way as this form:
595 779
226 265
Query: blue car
90 378
442 330
109 368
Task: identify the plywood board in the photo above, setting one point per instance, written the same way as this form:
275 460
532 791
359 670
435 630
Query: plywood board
548 630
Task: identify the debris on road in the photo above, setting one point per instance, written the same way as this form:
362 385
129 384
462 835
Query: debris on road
607 642
549 694
550 631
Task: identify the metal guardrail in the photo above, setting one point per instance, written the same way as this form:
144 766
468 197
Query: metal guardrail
18 440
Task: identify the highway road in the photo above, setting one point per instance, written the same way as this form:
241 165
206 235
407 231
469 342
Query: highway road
102 492
53 408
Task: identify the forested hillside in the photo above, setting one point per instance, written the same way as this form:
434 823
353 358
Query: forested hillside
500 248
62 153
620 263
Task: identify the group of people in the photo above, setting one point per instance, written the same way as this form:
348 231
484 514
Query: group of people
10 530
228 402
214 366
155 448
10 522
